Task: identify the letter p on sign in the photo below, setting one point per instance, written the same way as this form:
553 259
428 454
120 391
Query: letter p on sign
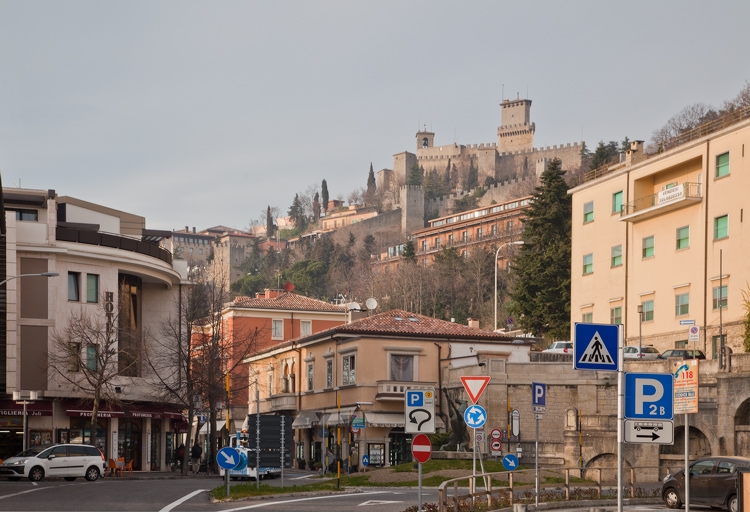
647 391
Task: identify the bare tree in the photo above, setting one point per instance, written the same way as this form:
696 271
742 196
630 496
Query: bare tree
195 352
92 354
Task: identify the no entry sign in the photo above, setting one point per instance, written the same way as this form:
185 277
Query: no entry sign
421 448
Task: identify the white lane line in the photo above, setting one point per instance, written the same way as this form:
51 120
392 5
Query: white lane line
303 477
182 500
268 504
22 492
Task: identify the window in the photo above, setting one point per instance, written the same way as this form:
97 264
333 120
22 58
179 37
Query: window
617 256
588 264
402 368
681 344
348 370
74 281
479 233
26 215
683 237
587 318
717 342
720 297
648 247
648 310
270 383
588 212
617 202
329 373
722 165
310 377
682 304
721 227
437 243
277 330
464 236
91 358
494 229
73 355
92 288
450 239
509 226
424 245
305 328
615 315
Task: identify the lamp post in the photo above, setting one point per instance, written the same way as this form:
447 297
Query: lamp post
364 418
640 328
33 394
497 254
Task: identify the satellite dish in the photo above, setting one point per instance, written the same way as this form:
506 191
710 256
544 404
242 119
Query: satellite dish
353 306
371 303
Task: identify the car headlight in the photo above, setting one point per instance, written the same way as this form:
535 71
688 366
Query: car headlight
669 475
20 462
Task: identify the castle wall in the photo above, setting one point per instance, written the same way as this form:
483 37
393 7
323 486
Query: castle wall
499 193
402 162
412 204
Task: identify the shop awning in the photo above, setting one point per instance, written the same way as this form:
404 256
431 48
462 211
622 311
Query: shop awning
84 411
179 426
332 418
220 424
37 408
306 419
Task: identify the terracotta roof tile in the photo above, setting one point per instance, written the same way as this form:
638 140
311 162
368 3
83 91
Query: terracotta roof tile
290 301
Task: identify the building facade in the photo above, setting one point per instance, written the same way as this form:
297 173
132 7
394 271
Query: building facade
361 369
110 268
661 241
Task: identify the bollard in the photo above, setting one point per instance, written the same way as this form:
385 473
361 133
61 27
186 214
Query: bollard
519 507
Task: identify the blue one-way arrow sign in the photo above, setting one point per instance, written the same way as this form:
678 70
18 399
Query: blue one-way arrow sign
228 457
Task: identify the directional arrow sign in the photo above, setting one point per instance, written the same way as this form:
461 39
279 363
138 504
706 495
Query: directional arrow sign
649 432
474 386
419 411
510 462
475 416
228 457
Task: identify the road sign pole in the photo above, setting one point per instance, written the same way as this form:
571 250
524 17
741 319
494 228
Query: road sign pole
620 394
687 461
474 465
536 452
420 487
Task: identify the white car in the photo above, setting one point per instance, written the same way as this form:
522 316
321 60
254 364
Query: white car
647 352
560 347
68 461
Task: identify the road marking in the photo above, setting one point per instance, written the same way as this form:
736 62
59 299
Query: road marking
34 483
377 502
268 504
182 500
23 492
303 477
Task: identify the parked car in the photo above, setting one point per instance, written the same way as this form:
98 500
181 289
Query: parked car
560 347
68 461
682 353
647 352
713 482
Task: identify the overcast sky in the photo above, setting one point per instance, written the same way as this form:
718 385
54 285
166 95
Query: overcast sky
203 113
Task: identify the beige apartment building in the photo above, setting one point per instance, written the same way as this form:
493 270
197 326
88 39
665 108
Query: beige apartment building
661 240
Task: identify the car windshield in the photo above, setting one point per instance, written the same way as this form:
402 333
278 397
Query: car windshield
33 451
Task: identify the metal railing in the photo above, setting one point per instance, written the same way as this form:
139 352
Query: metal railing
505 495
689 191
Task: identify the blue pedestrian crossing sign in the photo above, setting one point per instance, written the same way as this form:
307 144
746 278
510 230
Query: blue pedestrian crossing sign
596 347
475 416
649 396
365 460
510 462
228 457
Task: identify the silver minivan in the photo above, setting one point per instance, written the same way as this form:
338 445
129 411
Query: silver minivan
68 461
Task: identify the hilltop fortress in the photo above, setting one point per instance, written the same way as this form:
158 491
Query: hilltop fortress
512 157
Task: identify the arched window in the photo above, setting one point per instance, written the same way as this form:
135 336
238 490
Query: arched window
424 142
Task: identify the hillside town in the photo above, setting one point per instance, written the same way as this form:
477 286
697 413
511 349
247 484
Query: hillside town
138 341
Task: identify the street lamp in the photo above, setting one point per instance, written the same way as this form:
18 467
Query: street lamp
43 274
640 327
497 253
364 418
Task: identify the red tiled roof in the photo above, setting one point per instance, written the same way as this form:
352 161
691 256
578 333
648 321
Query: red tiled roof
291 301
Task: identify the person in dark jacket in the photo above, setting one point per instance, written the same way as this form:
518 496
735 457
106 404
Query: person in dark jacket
195 455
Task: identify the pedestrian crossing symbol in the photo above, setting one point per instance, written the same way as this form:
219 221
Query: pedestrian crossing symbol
596 347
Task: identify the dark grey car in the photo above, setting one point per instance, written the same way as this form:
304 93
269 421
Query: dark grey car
713 482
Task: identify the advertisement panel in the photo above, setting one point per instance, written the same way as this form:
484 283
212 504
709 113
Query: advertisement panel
685 386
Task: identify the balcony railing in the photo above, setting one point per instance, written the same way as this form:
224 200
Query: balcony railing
514 234
83 236
678 196
394 390
284 402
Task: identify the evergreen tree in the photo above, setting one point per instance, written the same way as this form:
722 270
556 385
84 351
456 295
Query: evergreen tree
540 298
269 223
296 213
472 178
416 175
324 195
368 248
409 253
624 145
316 208
371 185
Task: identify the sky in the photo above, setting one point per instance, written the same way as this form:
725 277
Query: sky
205 113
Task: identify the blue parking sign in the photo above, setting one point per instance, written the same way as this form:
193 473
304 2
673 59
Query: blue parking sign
649 396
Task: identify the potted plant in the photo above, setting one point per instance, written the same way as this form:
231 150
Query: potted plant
301 463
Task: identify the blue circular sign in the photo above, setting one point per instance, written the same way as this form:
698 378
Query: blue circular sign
365 460
475 416
510 462
228 458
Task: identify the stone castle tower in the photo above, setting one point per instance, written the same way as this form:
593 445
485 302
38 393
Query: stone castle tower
516 133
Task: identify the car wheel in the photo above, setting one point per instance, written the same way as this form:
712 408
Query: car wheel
672 498
69 478
92 474
732 503
36 473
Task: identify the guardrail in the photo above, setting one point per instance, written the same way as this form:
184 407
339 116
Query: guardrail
505 495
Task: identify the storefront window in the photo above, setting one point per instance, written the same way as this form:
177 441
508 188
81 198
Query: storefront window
80 433
155 445
129 443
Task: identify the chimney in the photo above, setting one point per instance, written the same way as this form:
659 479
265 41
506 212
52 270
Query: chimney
193 229
474 323
635 154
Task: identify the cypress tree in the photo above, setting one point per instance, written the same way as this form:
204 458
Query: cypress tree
324 195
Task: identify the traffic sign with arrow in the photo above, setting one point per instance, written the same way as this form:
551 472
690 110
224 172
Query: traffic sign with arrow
228 457
649 432
419 411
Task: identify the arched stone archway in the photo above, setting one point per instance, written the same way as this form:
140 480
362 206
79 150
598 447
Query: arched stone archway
607 462
742 429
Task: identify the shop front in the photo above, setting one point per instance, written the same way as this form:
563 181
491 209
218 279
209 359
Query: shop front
39 421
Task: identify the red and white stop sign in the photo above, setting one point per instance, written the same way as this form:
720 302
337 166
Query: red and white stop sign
421 448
